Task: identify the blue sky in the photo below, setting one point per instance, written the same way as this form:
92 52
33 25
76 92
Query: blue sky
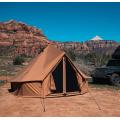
67 21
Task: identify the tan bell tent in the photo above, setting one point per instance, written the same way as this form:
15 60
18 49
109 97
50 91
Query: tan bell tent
50 72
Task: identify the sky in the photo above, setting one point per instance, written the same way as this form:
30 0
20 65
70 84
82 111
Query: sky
67 21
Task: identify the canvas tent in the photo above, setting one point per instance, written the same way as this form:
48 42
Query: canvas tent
50 72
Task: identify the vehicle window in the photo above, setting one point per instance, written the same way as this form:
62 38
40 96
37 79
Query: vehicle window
113 63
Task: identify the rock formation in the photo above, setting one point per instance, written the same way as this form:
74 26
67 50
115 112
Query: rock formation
20 38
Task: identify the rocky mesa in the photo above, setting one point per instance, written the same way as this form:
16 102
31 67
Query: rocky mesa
19 38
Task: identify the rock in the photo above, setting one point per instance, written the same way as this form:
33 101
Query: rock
21 38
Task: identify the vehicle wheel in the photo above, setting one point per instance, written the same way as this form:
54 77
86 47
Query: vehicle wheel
115 79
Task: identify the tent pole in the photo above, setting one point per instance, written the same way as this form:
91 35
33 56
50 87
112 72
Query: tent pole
43 99
64 76
44 109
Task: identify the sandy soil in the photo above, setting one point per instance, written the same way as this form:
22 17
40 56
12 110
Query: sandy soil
80 105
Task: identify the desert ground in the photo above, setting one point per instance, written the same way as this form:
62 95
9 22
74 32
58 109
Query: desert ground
100 101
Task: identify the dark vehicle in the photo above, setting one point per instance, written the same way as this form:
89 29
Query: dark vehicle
108 74
111 72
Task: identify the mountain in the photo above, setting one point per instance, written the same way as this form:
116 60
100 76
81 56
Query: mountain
20 38
106 46
97 38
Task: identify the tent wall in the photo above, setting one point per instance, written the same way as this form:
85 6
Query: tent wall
32 89
83 84
46 86
84 88
28 88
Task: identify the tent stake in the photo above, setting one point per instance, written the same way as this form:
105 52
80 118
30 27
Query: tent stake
43 101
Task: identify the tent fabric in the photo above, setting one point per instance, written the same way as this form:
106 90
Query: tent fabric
39 68
28 89
45 74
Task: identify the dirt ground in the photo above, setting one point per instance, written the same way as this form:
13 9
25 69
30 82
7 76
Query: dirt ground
81 105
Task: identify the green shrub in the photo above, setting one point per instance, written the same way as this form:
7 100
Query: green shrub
18 60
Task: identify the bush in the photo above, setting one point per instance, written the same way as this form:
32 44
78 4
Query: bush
71 54
18 60
98 59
